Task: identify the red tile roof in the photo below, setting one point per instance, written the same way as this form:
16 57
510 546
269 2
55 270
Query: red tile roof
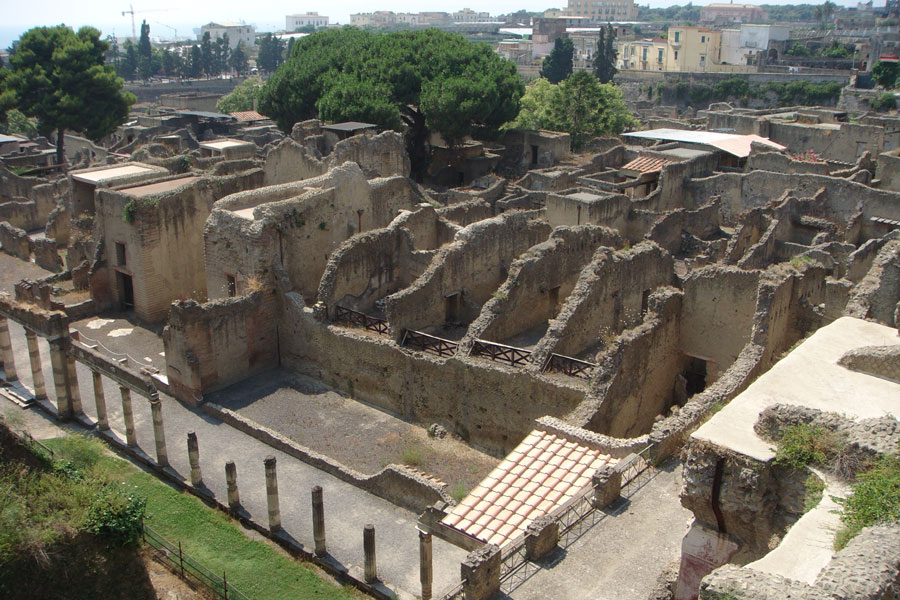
541 474
248 115
646 164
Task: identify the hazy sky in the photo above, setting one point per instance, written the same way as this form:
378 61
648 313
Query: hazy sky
267 15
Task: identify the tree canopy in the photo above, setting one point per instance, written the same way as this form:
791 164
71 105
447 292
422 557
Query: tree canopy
580 106
241 98
605 55
423 80
59 76
558 64
886 74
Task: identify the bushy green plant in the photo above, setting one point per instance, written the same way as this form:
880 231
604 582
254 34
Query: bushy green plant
883 102
875 499
116 515
804 444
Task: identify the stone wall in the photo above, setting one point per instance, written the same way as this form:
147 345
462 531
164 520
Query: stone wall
606 300
15 241
539 282
717 315
780 163
209 346
878 294
473 266
26 202
490 405
609 210
636 378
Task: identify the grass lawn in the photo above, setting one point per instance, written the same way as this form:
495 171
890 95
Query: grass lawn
211 537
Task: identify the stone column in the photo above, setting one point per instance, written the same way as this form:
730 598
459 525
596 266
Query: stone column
318 515
371 573
34 354
159 432
60 379
128 416
607 481
74 392
481 572
541 537
194 459
100 400
234 498
6 351
425 573
272 494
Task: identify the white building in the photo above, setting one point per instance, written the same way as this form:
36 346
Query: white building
237 32
295 22
467 15
741 46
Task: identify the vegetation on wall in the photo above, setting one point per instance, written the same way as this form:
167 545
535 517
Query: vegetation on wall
801 92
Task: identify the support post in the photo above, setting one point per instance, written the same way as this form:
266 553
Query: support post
481 573
272 494
74 392
100 400
159 432
34 355
6 351
128 416
425 568
371 573
318 514
234 498
59 364
194 459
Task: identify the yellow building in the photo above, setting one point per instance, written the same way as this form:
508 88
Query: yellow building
643 55
694 49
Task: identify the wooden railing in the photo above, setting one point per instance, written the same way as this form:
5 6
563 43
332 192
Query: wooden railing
501 353
559 363
353 317
428 343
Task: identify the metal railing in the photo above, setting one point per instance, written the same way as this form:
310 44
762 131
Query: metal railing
187 567
636 472
428 343
353 317
559 363
500 352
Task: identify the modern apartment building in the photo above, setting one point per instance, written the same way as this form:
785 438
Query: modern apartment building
295 22
603 11
237 32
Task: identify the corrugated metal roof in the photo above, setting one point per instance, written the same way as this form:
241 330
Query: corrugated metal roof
541 474
350 126
738 145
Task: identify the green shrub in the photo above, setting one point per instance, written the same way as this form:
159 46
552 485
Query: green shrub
883 102
875 499
116 515
130 211
458 491
411 455
814 489
803 445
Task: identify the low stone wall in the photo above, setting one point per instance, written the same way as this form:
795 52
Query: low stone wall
393 483
876 296
15 241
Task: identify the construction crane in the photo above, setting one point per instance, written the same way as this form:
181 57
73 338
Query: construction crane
132 12
174 31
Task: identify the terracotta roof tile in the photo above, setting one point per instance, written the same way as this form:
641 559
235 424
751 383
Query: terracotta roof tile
646 164
248 115
542 473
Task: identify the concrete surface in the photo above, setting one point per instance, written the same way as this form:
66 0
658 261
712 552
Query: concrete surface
620 557
808 545
347 508
809 376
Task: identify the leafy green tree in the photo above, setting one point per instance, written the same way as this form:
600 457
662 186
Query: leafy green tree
558 64
145 52
798 49
270 55
238 60
195 64
605 55
424 80
221 55
7 98
171 63
241 98
60 78
580 106
885 74
208 60
128 67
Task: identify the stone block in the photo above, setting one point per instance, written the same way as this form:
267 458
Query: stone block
481 573
541 537
607 485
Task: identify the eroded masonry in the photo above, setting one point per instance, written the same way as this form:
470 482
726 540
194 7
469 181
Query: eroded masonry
573 317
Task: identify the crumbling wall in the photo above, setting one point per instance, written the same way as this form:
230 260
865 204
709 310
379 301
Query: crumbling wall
466 213
26 202
490 405
209 346
15 241
607 299
290 161
610 210
382 155
539 282
474 266
46 255
702 223
780 163
717 316
877 295
848 140
636 377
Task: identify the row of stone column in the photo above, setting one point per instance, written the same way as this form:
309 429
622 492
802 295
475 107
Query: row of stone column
318 515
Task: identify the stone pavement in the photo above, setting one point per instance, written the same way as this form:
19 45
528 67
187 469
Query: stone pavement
347 508
620 557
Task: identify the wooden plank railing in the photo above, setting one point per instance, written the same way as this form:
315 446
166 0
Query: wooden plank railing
559 363
353 317
428 343
501 352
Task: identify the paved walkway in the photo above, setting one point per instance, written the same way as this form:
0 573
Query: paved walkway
347 508
620 557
